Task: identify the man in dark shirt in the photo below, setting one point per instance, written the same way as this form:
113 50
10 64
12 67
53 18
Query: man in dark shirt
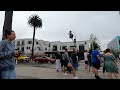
96 60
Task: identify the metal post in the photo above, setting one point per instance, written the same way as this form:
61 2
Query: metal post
75 42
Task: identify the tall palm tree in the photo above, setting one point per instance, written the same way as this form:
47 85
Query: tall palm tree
7 22
36 22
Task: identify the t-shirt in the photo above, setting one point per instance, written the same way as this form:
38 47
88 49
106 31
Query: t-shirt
85 56
74 58
58 56
66 56
94 56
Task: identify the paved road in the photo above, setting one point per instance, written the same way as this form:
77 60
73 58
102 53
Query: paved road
34 70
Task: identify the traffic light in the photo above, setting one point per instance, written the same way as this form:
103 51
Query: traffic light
75 40
70 35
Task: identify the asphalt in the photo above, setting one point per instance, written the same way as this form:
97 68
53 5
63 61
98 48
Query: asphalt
47 71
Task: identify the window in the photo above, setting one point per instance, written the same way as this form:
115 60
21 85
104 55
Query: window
36 42
81 47
29 42
39 48
71 47
60 47
49 44
45 49
22 49
54 48
28 48
18 42
63 47
23 42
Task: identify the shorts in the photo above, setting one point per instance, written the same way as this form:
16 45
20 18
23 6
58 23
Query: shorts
90 63
96 65
65 63
86 62
75 65
62 63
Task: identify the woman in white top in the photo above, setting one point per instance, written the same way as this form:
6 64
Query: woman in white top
86 59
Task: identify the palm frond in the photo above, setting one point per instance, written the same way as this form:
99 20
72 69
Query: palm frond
35 21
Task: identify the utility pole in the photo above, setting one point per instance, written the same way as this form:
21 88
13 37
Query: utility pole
75 42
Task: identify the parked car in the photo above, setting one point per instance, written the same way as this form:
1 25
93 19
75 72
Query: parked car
23 58
44 59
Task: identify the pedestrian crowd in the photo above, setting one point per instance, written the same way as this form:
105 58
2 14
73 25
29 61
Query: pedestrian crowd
93 61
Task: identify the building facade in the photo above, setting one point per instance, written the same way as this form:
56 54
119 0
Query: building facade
114 44
40 46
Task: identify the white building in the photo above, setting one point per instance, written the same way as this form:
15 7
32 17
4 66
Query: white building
40 46
114 44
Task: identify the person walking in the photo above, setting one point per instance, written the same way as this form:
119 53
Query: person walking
86 59
58 64
96 61
66 59
74 63
62 61
110 63
7 53
89 60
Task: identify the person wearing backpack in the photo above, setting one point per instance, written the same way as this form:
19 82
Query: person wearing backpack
7 53
66 59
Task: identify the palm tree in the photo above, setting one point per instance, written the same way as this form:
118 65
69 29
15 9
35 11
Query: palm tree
35 22
7 22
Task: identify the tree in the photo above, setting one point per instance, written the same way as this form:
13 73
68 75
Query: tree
7 22
36 22
94 42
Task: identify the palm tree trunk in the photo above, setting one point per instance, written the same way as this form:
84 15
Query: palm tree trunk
33 43
7 22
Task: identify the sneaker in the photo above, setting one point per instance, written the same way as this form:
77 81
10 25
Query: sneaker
75 77
65 74
97 77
